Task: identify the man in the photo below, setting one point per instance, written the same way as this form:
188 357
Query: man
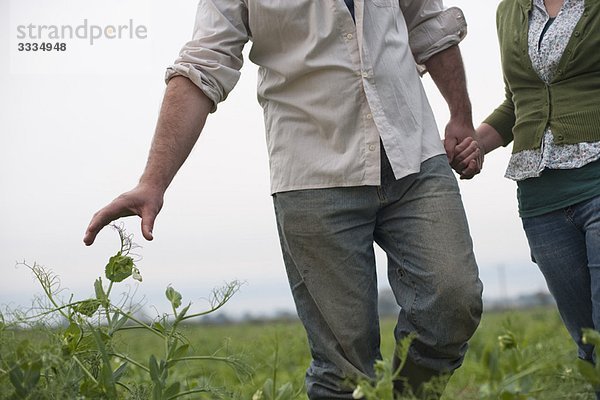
355 158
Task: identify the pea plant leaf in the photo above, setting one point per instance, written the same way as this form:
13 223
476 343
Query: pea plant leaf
119 268
87 307
173 296
71 338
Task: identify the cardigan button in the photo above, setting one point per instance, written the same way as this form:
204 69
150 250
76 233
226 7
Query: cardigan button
576 33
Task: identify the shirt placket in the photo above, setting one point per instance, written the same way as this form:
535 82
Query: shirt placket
369 105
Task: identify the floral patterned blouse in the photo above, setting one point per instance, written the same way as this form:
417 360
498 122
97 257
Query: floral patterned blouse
547 41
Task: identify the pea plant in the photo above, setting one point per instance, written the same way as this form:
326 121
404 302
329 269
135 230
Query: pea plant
382 387
81 355
591 372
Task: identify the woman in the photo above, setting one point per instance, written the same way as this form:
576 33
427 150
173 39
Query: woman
550 51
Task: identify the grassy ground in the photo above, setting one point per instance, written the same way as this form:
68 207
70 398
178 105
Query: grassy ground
535 358
524 354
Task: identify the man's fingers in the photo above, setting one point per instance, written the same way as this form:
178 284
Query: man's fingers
463 158
467 156
99 221
462 146
96 224
471 170
105 216
450 146
148 225
474 156
90 235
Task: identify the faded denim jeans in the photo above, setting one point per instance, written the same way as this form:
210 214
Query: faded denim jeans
327 238
565 244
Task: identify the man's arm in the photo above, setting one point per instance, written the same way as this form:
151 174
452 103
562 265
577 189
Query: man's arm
182 116
447 71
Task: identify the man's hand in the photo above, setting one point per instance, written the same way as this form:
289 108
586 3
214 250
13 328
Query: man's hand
457 131
143 201
464 152
468 158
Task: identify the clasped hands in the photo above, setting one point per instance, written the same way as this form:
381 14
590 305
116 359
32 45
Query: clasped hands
468 158
465 153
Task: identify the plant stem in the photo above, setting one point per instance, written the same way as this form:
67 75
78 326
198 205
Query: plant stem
189 392
141 325
226 360
110 286
276 362
200 314
85 370
192 358
123 386
47 290
131 360
230 290
57 308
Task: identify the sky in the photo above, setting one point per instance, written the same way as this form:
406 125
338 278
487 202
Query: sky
75 129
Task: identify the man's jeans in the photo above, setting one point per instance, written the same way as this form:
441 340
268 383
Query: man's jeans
565 244
327 238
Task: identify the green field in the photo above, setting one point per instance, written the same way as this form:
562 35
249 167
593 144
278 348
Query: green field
523 354
99 348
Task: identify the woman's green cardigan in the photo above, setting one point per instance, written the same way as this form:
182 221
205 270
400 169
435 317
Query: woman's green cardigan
570 104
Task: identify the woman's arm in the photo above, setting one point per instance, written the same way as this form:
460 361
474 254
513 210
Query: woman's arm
488 138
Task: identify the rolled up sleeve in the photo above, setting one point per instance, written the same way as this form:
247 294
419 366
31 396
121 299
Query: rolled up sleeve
432 28
213 58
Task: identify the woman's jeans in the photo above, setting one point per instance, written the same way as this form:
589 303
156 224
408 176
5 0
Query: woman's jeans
565 244
327 238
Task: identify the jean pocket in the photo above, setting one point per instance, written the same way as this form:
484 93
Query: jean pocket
385 3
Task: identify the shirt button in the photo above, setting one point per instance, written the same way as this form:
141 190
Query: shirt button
372 147
349 36
369 116
365 74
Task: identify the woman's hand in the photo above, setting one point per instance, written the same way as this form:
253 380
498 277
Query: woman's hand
468 158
